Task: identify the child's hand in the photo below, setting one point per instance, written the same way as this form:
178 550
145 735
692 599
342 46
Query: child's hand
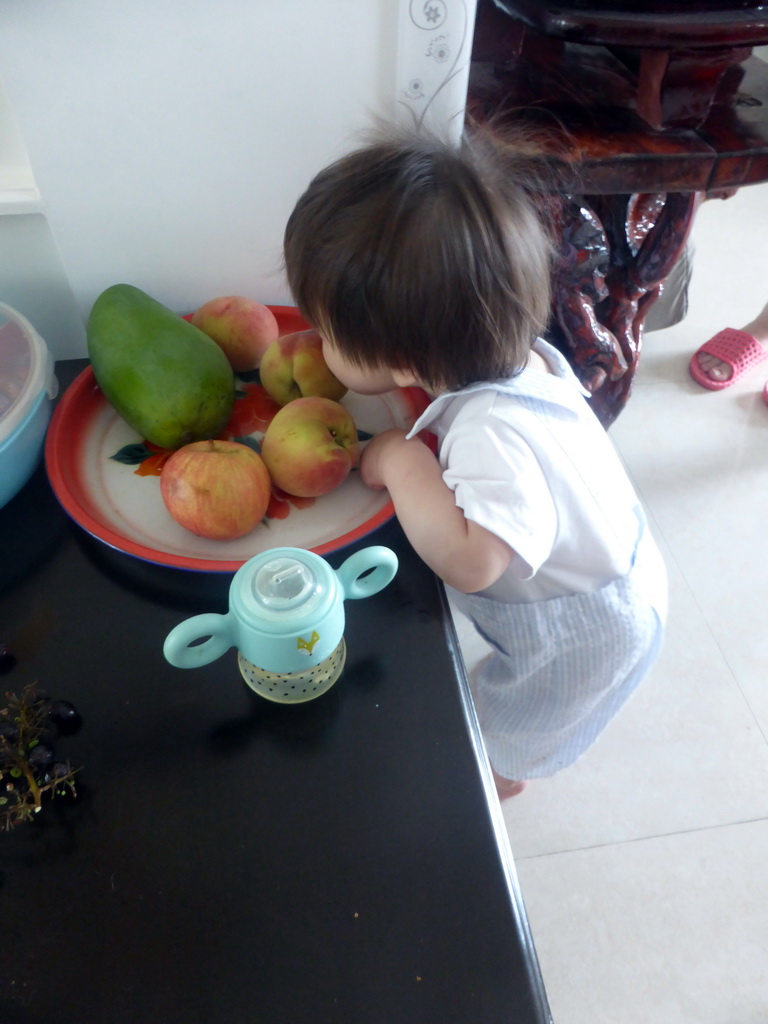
377 457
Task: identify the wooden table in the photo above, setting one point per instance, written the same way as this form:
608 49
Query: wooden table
232 861
640 110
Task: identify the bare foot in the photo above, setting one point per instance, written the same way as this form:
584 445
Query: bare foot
717 370
507 788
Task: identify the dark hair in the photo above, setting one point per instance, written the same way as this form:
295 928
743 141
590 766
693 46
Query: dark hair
424 255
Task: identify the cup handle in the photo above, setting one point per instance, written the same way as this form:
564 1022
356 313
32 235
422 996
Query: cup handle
382 560
216 628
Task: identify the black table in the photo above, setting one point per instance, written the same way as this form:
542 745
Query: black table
231 861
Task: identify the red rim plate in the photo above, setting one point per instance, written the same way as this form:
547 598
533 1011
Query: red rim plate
82 410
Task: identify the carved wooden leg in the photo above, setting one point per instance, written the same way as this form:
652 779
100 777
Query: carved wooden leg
615 252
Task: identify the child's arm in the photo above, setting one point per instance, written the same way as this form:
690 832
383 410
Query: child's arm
463 554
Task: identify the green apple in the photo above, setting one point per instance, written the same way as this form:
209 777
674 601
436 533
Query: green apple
293 367
310 446
243 328
216 489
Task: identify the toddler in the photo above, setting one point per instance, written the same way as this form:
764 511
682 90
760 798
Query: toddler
424 263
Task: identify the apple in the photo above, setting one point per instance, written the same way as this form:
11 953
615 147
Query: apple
310 446
293 367
216 489
242 328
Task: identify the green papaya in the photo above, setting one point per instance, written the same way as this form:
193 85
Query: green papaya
168 380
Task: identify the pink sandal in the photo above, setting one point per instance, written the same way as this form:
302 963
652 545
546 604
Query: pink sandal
741 351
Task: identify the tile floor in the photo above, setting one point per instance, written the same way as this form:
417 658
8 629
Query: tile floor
644 867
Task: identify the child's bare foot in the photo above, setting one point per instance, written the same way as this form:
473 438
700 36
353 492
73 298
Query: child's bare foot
507 788
719 371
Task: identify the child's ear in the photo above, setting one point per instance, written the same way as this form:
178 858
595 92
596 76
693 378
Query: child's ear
405 379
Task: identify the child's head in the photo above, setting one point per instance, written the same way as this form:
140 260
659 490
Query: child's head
421 256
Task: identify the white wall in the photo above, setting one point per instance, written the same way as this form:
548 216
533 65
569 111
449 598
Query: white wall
164 142
169 139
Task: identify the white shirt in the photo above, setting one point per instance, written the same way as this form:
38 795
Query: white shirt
528 460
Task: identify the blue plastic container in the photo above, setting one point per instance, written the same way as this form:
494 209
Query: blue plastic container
27 389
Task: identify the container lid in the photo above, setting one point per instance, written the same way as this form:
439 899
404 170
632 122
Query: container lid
286 584
284 588
26 369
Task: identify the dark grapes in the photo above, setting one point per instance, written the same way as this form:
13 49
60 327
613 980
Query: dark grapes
64 716
29 768
7 660
8 731
40 757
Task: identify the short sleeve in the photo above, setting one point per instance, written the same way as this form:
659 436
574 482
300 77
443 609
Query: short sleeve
499 484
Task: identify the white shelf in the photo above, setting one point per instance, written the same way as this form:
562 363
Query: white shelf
18 192
32 276
19 200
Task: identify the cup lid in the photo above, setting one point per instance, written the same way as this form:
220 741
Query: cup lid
283 587
286 584
26 369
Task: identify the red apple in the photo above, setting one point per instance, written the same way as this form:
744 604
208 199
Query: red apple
216 489
294 367
310 446
242 328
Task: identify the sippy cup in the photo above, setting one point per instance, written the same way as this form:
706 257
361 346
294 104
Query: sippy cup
286 619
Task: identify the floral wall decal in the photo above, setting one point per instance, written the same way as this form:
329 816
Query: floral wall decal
433 54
